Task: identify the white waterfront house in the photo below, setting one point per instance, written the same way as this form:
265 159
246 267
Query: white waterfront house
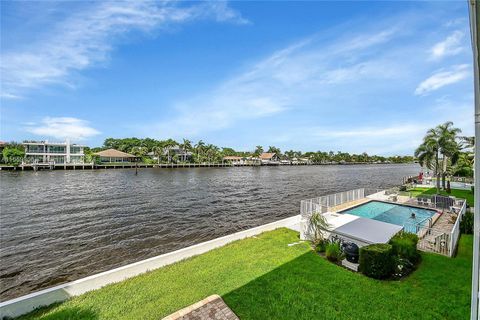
53 152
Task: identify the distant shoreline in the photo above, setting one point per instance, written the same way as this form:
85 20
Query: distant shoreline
88 166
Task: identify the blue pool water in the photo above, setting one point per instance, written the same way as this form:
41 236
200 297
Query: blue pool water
392 213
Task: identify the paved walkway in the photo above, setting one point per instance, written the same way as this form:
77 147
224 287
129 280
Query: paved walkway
349 204
210 308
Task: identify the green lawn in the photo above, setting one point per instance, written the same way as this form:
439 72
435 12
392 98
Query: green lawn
263 278
465 194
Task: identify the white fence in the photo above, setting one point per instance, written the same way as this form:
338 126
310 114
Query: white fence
455 234
435 240
324 203
431 238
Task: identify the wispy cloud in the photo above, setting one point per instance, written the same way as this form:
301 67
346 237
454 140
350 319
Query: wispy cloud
451 46
62 128
87 38
289 77
443 78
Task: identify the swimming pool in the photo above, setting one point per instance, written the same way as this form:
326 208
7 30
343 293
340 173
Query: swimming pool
392 213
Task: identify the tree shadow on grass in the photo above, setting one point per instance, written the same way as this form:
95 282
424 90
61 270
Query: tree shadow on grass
310 287
69 313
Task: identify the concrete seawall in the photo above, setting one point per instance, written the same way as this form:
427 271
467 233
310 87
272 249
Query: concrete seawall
27 303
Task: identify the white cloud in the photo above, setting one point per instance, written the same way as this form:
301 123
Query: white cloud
63 128
87 37
451 46
443 78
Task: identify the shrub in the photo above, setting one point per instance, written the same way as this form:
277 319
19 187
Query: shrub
404 245
333 251
377 260
403 188
403 267
321 245
466 225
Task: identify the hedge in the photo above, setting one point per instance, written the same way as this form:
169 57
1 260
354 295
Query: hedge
377 261
404 245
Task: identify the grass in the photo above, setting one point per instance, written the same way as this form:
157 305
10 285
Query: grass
263 278
464 194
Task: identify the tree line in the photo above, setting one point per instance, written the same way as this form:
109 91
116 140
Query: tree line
459 163
205 152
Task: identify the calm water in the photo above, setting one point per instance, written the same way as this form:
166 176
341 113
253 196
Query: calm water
393 213
58 226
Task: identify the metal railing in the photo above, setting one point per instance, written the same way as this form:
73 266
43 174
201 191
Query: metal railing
325 203
435 240
430 238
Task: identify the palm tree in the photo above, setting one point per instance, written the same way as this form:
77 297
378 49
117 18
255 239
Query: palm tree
199 148
186 146
428 154
441 140
258 150
158 151
167 146
318 227
464 165
468 142
449 148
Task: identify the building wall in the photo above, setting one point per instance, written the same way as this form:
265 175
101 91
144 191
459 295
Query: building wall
60 153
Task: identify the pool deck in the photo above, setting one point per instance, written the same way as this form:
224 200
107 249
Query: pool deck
441 221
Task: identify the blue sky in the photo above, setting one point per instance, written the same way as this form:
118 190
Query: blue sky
349 76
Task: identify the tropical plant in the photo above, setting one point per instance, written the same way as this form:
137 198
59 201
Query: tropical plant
139 151
333 252
186 146
449 147
158 152
466 225
468 142
258 150
439 141
272 149
13 156
464 165
318 227
199 150
427 155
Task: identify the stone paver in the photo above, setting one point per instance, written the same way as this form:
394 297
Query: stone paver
210 308
349 204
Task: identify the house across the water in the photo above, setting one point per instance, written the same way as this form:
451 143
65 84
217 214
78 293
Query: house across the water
234 159
53 152
112 155
269 158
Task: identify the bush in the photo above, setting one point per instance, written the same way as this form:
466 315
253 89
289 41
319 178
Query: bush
403 188
404 245
466 225
377 260
321 245
333 251
403 267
